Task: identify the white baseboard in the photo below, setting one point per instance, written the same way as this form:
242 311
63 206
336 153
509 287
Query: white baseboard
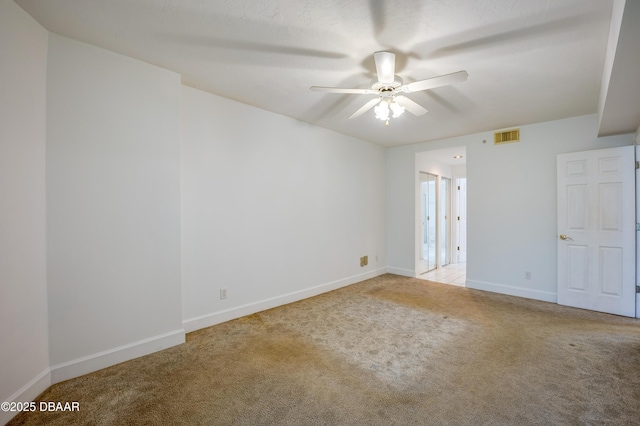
400 271
197 323
545 296
27 393
104 359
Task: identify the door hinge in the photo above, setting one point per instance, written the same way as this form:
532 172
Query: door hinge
458 217
459 185
458 248
637 227
638 289
637 165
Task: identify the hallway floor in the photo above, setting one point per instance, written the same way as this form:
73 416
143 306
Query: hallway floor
455 274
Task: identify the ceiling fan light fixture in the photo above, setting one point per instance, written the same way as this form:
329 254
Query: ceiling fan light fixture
382 110
387 108
396 108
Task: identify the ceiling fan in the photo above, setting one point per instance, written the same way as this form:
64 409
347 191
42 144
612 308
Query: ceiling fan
389 89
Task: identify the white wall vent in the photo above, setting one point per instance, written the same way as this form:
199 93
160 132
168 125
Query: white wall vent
506 136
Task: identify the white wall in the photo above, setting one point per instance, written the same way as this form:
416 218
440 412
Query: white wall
273 209
427 164
24 358
511 204
459 171
113 208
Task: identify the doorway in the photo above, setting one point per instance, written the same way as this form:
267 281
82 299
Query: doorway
440 223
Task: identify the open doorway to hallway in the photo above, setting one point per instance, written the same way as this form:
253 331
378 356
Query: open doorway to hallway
441 215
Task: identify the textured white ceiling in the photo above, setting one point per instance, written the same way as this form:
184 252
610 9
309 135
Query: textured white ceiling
528 60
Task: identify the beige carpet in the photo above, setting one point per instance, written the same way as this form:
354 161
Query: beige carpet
390 350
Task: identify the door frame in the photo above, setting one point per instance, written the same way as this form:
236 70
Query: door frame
445 216
637 157
455 255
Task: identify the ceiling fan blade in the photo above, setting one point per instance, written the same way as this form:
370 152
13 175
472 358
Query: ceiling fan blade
434 82
343 90
366 107
411 106
385 66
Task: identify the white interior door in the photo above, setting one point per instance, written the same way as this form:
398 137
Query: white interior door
596 230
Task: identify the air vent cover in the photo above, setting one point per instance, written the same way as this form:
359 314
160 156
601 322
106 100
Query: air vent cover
506 136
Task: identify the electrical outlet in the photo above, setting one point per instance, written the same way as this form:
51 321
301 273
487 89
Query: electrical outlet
527 275
223 293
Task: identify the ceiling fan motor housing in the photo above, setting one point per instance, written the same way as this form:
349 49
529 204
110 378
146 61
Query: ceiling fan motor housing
377 85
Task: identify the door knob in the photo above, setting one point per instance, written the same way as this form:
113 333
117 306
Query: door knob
565 237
